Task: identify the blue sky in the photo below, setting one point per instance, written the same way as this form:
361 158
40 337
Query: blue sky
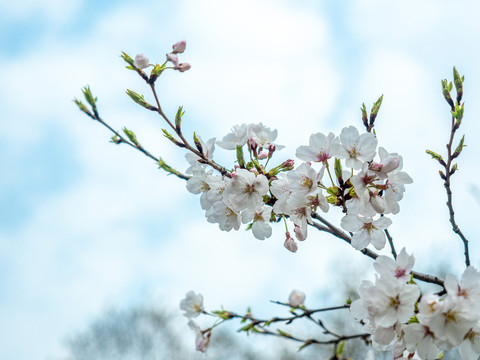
85 224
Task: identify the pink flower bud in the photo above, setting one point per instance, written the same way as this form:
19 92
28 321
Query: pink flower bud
179 47
390 163
141 61
252 143
288 163
262 155
271 150
290 244
296 298
182 67
299 233
173 58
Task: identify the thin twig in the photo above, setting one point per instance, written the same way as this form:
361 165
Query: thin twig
138 147
371 254
204 159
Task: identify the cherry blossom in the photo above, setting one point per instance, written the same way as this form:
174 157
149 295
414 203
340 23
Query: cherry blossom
192 304
296 298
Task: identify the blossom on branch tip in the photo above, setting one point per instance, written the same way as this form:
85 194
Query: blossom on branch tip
319 149
182 67
141 61
296 298
202 338
366 231
179 47
192 304
355 148
173 58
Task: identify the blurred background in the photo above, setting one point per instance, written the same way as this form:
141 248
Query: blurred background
87 226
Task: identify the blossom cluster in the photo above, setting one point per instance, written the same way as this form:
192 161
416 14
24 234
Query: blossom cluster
406 322
255 195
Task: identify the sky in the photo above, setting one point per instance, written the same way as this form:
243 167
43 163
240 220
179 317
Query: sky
86 225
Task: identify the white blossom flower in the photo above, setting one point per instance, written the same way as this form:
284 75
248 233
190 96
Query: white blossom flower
355 148
223 214
390 302
399 269
141 61
296 298
366 231
469 349
467 290
450 323
192 304
202 339
419 338
263 136
304 179
245 190
238 137
319 149
261 228
199 183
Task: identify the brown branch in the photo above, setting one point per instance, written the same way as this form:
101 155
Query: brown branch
331 229
446 184
178 131
138 147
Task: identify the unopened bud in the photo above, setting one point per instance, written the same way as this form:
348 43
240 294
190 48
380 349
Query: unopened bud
296 298
173 58
271 150
179 47
141 61
288 164
390 163
182 67
290 244
252 143
262 155
299 233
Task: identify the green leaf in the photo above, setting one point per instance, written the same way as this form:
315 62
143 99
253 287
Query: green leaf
130 134
434 155
197 142
458 81
459 148
90 99
82 107
283 333
375 109
364 115
140 100
178 117
172 139
127 59
223 314
340 347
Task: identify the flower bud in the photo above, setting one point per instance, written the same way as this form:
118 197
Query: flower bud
262 155
290 244
271 150
390 163
299 233
141 61
252 143
296 298
288 164
182 67
179 47
173 58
